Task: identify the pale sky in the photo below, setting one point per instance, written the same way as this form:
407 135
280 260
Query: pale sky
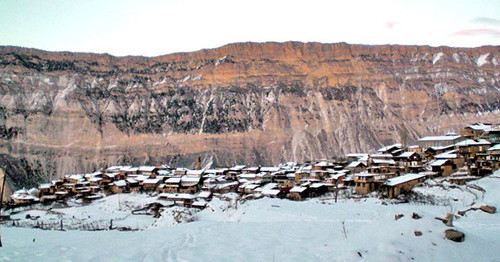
151 28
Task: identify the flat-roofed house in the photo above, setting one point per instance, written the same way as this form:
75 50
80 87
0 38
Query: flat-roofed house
298 193
437 141
190 184
356 166
47 189
402 184
172 184
150 184
366 183
410 161
494 156
119 186
443 167
469 148
457 160
151 171
394 149
475 131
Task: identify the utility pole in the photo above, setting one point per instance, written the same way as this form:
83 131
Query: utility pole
1 197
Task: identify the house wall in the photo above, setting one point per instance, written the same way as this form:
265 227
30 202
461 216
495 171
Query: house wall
296 196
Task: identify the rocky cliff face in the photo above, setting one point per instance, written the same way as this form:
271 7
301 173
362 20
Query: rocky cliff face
248 102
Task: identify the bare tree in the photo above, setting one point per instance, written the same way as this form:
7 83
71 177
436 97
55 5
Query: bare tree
343 228
1 196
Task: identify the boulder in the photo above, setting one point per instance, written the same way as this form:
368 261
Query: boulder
454 235
489 209
415 216
396 217
418 233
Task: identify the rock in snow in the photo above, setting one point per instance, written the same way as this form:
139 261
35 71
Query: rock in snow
454 235
488 209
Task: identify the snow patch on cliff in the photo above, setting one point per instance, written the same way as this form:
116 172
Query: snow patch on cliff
437 57
482 59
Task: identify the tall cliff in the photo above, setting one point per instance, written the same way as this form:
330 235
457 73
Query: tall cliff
257 103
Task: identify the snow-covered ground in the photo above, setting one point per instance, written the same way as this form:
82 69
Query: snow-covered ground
274 230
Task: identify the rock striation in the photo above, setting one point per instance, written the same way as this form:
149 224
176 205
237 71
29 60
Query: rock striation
257 103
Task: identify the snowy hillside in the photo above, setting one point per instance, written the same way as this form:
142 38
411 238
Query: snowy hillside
272 230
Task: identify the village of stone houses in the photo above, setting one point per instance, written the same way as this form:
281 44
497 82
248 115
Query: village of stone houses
393 175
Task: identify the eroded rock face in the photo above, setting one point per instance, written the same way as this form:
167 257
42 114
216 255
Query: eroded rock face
252 103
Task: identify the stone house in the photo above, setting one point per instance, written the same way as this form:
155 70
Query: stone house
402 184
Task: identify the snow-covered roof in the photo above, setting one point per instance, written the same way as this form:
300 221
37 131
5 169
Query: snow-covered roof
298 189
111 175
357 155
384 161
438 148
323 164
403 179
94 174
199 204
494 148
354 164
204 194
447 155
262 175
173 180
129 169
141 178
131 181
480 127
381 156
439 162
464 177
337 176
470 142
386 148
247 176
306 168
75 177
215 170
164 172
413 147
195 172
270 169
364 174
151 181
120 183
190 179
147 168
406 154
114 168
237 168
26 196
317 185
271 192
251 186
234 183
45 186
448 137
95 179
178 196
